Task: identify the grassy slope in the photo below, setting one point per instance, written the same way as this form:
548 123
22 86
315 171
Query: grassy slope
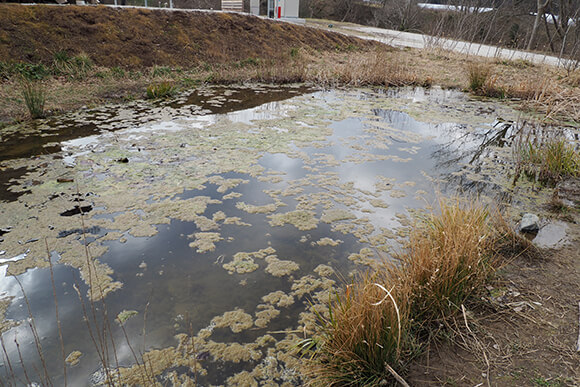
136 38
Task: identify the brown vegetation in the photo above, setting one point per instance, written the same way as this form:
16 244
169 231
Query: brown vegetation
379 324
135 38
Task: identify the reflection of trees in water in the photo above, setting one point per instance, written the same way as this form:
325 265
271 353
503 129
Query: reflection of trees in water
462 152
476 152
493 155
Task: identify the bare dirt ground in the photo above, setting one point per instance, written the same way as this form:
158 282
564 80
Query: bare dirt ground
525 335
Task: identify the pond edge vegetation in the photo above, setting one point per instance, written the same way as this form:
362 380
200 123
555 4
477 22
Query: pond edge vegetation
385 319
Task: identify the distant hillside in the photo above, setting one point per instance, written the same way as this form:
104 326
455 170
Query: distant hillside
140 37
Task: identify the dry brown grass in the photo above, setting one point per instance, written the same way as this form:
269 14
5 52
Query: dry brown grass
376 325
375 67
368 328
556 104
379 67
137 38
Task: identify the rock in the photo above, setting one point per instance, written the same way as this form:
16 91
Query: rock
529 223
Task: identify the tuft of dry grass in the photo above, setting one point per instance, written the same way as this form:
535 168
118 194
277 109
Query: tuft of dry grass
478 74
367 328
449 257
376 327
483 81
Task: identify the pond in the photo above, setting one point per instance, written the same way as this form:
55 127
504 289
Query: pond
190 240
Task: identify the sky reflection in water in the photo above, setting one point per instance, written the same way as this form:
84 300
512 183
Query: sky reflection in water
178 290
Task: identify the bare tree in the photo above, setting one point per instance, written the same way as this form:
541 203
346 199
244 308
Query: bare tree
541 9
402 15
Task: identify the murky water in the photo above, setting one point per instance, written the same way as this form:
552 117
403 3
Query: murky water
222 217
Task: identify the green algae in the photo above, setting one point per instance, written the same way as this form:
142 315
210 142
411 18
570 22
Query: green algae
125 315
378 203
301 219
265 314
73 358
328 242
237 320
4 323
278 298
335 215
253 209
205 241
242 263
324 270
279 267
364 257
225 185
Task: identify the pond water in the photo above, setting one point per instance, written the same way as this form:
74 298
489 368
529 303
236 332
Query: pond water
214 223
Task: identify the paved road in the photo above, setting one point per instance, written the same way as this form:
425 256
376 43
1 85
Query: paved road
413 40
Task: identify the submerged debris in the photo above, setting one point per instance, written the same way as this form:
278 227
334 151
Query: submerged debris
73 358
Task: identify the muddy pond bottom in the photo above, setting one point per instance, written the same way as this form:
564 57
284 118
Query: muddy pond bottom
189 245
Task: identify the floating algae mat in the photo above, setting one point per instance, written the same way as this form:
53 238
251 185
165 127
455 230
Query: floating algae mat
207 235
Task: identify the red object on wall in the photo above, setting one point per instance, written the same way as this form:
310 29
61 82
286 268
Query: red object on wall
279 12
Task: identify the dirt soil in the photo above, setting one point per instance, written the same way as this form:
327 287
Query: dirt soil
134 38
525 335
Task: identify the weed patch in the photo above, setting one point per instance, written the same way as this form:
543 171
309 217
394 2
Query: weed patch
161 90
30 71
34 97
75 67
160 71
549 161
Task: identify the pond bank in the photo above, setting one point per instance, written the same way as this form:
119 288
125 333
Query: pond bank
164 191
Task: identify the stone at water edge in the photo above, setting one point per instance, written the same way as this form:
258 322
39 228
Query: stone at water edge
529 223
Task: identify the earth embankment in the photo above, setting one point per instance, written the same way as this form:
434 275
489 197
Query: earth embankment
134 37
